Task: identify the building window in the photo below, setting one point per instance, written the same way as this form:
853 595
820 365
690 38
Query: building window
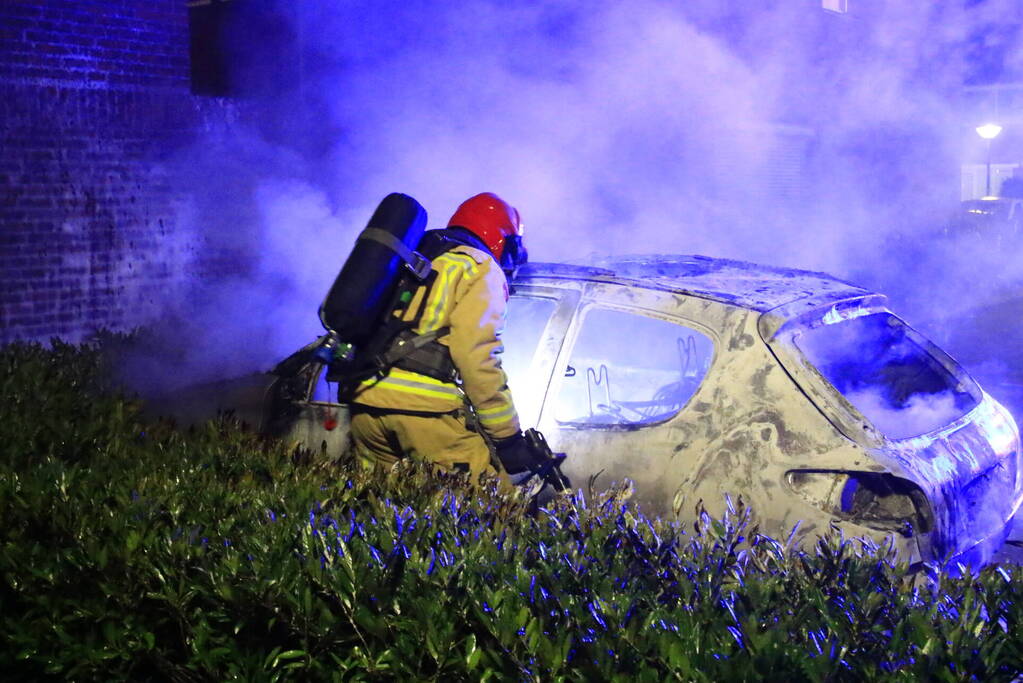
243 47
839 6
206 20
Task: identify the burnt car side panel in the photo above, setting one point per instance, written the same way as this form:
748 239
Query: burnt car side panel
724 441
774 430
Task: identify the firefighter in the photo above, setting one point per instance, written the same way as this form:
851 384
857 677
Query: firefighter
443 403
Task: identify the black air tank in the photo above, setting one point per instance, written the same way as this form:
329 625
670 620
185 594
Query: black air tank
367 281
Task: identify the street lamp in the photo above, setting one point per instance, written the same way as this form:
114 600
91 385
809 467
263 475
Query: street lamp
989 131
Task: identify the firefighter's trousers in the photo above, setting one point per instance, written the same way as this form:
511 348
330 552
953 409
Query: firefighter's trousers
443 439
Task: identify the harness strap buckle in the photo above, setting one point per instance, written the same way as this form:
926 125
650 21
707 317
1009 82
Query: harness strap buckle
420 266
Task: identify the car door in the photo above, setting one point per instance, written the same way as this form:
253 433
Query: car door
632 361
537 320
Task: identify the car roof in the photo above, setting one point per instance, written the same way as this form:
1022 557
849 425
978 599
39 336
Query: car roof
739 283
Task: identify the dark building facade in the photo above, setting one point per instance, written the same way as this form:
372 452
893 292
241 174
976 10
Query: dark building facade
94 98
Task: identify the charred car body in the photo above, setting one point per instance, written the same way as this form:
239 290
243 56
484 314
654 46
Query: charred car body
701 378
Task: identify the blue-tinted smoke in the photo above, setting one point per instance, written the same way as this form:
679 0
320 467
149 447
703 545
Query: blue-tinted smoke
771 132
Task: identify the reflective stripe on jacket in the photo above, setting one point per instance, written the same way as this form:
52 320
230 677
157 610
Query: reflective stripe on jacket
469 295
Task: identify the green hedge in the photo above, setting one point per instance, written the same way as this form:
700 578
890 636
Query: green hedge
133 550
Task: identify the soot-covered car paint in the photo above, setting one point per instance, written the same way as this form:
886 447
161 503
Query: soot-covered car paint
701 379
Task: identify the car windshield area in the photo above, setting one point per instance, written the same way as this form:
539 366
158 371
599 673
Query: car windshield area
886 371
630 369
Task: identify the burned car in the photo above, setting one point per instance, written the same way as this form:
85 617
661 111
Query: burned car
701 379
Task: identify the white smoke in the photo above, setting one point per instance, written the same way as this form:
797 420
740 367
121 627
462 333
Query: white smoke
648 127
920 414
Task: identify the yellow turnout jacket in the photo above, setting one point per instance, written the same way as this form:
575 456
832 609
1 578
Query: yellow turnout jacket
469 295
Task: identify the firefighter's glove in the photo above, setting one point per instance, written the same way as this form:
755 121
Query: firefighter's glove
515 454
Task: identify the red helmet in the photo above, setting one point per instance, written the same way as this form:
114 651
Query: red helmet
497 223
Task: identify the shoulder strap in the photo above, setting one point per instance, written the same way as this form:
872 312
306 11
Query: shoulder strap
416 262
436 242
401 306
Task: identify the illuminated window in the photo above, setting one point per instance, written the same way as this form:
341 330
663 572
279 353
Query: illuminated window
628 369
243 48
840 6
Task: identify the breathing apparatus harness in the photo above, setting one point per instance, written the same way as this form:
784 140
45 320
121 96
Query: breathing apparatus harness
396 344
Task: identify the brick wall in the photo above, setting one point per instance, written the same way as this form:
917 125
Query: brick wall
93 95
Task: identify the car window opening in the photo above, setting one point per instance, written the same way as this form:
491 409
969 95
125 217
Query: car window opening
637 370
877 364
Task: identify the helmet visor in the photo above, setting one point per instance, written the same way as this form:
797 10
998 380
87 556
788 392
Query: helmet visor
514 254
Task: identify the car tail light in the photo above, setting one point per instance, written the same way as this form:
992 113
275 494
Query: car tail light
876 501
